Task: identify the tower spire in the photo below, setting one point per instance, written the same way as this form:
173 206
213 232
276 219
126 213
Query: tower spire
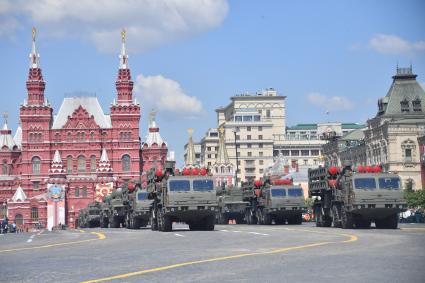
124 84
190 156
222 157
34 56
35 82
123 56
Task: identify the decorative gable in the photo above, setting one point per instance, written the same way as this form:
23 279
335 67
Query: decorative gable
80 119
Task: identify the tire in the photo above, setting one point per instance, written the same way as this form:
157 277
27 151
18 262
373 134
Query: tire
362 223
194 226
209 223
167 224
137 223
391 222
267 219
154 223
346 219
114 223
298 219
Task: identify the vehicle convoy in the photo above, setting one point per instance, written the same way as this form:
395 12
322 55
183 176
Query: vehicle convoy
230 205
189 197
348 199
277 201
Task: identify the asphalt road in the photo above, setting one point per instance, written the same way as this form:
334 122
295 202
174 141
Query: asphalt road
231 253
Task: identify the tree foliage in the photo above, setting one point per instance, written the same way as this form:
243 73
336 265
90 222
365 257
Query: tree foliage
414 199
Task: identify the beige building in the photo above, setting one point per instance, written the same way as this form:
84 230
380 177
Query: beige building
391 137
255 130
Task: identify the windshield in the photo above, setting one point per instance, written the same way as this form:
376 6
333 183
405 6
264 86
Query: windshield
179 186
365 183
142 196
278 193
295 192
203 185
389 183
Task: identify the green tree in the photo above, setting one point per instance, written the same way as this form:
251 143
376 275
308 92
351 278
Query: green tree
414 199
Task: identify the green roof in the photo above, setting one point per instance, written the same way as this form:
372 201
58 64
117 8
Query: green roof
352 126
303 127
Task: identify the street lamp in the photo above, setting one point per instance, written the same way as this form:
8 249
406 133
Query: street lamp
235 131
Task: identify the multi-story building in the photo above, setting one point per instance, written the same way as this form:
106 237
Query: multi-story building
57 164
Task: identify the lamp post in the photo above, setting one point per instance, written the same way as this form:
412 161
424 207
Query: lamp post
235 131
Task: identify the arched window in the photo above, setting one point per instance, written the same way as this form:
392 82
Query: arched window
69 164
19 219
77 192
126 163
81 164
93 163
4 167
69 136
84 192
36 164
34 214
83 136
92 136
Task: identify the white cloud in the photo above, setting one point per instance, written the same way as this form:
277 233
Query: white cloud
333 104
167 96
148 23
392 44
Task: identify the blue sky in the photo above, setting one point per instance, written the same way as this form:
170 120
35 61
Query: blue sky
193 55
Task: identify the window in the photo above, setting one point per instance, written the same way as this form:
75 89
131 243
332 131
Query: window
93 164
295 192
84 192
417 105
260 137
238 118
179 186
92 136
35 185
315 152
203 185
69 136
126 163
248 129
305 161
34 214
261 171
261 162
285 152
305 153
260 128
81 164
257 118
239 162
295 152
249 145
268 113
209 148
248 137
77 192
36 164
83 136
208 155
365 183
4 168
260 153
249 153
260 145
408 155
209 163
69 164
404 105
247 118
278 193
389 183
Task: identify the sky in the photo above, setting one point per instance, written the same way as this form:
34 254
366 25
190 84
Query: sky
188 58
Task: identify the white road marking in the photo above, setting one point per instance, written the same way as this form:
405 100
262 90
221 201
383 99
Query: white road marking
237 231
178 235
224 230
32 236
256 233
29 240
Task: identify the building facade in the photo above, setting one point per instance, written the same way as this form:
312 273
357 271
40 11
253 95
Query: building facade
58 163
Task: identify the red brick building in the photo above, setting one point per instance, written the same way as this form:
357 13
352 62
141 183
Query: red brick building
56 164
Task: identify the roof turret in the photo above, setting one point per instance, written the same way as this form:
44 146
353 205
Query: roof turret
222 157
153 136
6 138
190 155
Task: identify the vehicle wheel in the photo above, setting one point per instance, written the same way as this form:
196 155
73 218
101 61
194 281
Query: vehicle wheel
115 223
267 219
194 226
154 223
317 216
209 223
167 223
362 223
298 219
240 220
137 223
392 221
346 219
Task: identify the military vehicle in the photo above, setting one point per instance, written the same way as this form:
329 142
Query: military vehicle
89 216
139 207
113 209
189 197
350 199
277 201
230 205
